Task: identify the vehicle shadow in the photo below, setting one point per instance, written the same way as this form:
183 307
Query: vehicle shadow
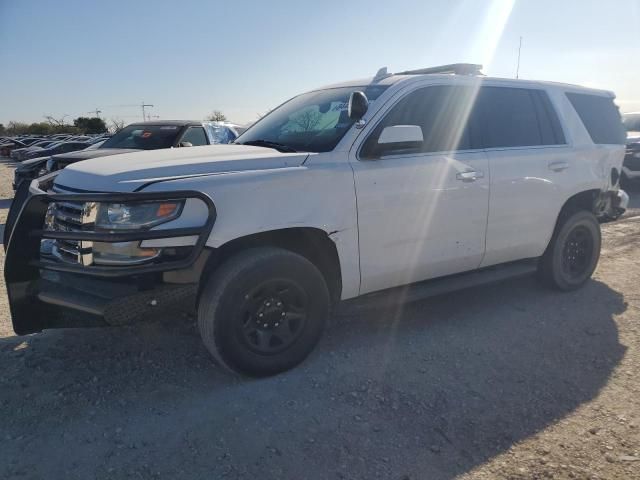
426 390
5 202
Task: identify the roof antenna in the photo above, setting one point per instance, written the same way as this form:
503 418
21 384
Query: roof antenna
518 65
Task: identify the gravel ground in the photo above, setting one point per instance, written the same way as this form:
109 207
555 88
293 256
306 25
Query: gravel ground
504 381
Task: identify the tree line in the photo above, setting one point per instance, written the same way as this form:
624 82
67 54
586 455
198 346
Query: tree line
81 125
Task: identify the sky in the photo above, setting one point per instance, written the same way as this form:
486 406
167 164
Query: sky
188 58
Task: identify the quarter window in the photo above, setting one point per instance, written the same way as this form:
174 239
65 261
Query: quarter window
600 117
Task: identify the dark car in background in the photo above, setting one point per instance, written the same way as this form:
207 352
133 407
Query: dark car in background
11 144
20 154
58 147
152 135
631 164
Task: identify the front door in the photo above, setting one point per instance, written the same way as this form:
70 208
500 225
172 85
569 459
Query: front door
422 208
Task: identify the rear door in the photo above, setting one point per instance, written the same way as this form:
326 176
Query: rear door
529 160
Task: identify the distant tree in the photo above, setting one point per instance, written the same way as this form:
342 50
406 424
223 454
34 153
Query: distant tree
217 116
17 128
90 125
116 124
307 120
3 130
55 122
42 128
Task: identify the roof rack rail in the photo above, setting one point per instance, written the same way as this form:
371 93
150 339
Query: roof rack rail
454 68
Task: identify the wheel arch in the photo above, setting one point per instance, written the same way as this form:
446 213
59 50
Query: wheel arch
583 200
312 243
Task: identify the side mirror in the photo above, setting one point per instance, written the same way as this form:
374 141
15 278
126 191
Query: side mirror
185 144
406 134
358 105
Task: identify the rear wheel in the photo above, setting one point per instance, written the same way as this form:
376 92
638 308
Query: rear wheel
263 311
573 253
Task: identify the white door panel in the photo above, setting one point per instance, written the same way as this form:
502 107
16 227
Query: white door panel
420 216
527 193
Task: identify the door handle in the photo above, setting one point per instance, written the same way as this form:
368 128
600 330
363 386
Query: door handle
558 166
469 176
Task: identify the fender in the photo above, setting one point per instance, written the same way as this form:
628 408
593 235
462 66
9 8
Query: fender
320 196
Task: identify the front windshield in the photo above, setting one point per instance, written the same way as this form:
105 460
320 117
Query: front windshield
144 137
312 122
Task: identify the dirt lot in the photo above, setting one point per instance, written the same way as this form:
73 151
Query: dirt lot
504 381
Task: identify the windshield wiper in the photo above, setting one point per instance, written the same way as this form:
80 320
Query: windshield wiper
275 145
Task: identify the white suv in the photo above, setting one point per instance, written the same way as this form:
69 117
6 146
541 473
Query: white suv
428 180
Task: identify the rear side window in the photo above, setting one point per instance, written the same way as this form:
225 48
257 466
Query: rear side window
518 117
510 118
600 117
550 128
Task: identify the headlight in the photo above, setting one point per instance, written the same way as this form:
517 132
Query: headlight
119 216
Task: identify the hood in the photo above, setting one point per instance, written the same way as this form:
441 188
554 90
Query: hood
72 157
32 163
127 172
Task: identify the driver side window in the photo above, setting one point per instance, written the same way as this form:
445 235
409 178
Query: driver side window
195 136
443 113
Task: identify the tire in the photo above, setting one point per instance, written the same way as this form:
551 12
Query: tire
573 252
271 285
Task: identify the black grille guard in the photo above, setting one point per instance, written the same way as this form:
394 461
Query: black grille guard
23 263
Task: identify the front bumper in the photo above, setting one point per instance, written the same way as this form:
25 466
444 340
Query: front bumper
107 294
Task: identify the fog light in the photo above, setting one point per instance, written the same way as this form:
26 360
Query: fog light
122 253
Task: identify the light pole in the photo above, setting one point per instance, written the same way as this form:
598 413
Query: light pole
143 105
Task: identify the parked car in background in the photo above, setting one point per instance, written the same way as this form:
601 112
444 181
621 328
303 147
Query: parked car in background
224 132
57 147
137 136
20 154
631 165
431 180
11 144
632 124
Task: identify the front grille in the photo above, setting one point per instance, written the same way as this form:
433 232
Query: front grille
71 217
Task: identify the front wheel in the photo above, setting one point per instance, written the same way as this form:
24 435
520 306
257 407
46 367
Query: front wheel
573 253
263 311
